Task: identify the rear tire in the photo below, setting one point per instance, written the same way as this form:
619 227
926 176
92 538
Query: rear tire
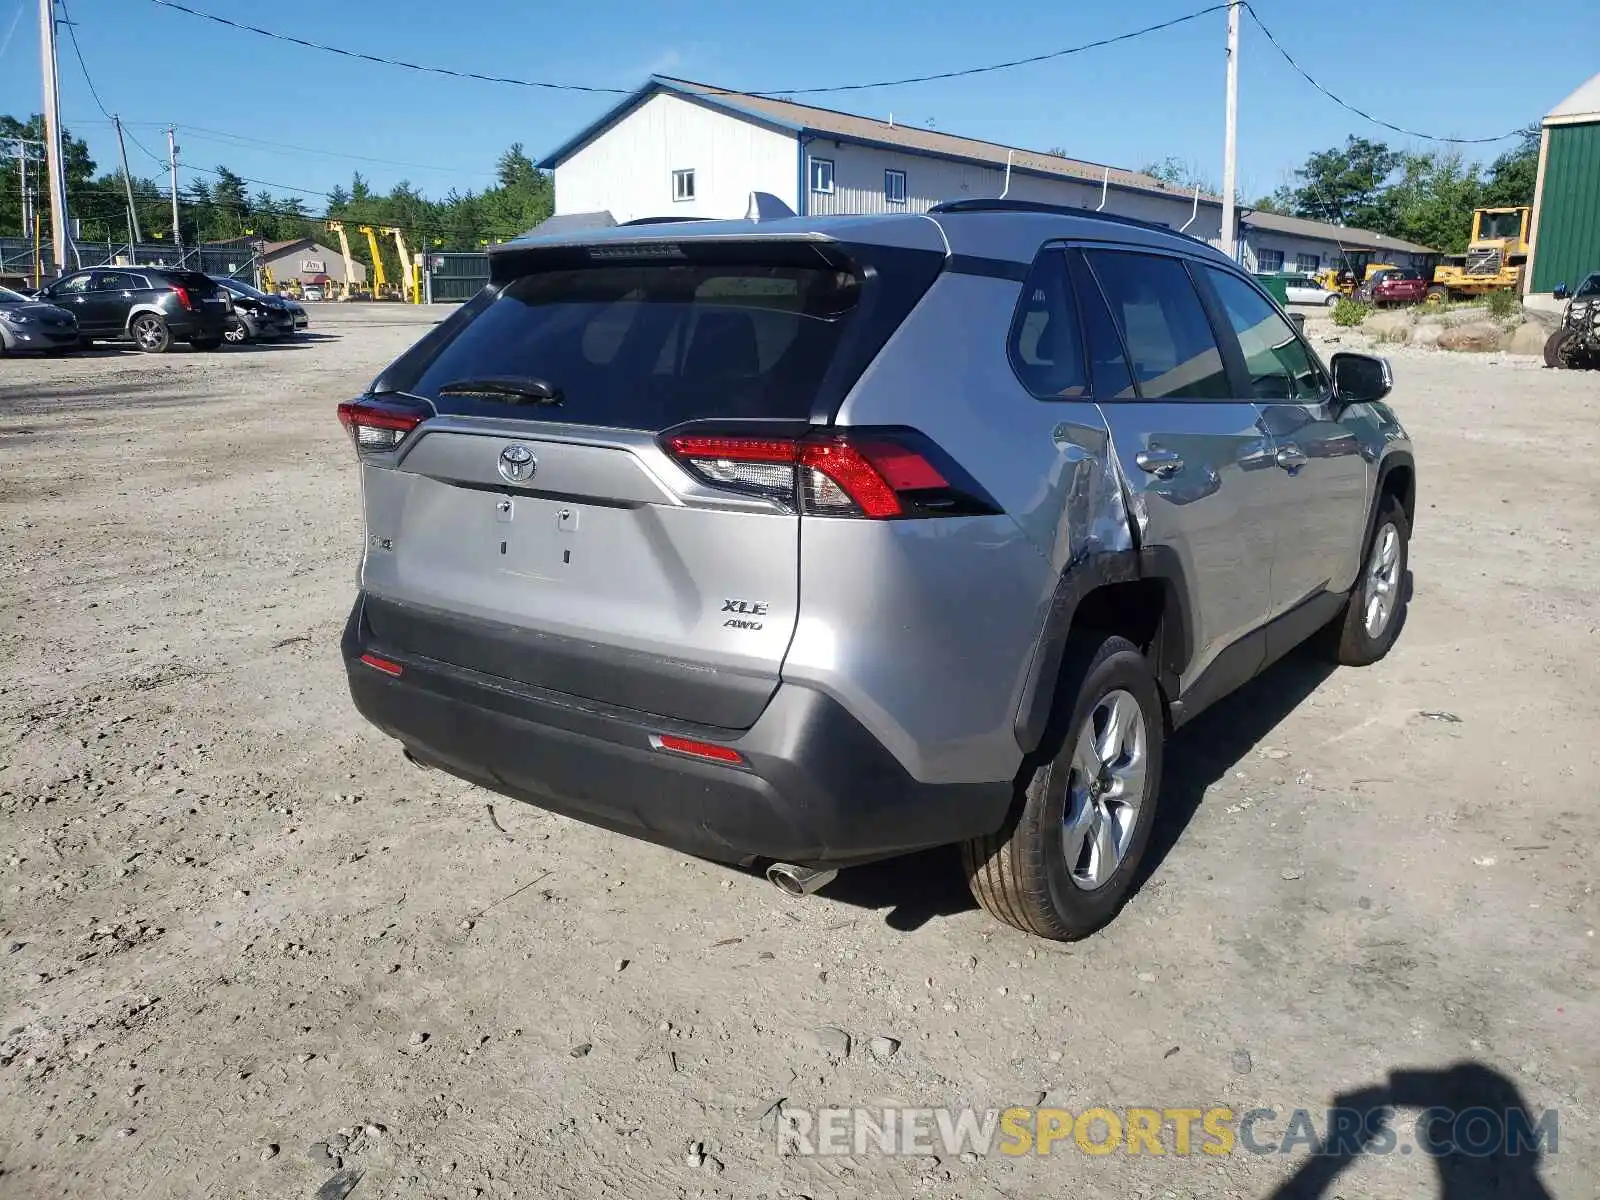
150 333
1067 857
1370 621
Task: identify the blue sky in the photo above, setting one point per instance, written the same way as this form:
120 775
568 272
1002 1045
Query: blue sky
1465 68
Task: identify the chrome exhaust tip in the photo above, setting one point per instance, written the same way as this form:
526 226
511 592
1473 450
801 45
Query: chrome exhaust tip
799 881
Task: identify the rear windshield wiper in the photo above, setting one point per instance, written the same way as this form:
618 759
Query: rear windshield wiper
515 389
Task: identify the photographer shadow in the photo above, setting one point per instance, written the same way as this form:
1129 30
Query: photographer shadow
1456 1104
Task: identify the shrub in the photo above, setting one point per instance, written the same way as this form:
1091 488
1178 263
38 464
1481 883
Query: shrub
1504 303
1350 312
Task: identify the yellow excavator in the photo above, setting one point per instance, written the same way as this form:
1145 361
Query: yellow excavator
337 227
1496 255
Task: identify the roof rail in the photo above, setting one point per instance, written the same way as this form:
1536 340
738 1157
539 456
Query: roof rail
663 220
995 204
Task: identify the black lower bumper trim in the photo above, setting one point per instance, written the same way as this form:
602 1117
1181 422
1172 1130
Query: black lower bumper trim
818 789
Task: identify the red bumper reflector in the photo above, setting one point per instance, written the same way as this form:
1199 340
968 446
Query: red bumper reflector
382 664
706 750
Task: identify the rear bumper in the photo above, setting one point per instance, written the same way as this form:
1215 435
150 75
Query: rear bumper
816 787
187 325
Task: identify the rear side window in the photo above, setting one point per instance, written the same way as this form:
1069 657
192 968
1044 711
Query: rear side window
1046 346
650 346
1170 346
1280 366
114 281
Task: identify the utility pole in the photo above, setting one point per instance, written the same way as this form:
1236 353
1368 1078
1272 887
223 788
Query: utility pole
22 180
127 184
172 158
60 236
1230 145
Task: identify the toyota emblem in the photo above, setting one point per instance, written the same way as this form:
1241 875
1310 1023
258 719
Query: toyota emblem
517 464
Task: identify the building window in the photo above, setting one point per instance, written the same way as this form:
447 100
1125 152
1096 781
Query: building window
894 187
822 176
1310 263
683 185
1269 260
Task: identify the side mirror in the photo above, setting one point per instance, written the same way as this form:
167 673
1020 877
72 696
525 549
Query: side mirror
1360 378
1562 291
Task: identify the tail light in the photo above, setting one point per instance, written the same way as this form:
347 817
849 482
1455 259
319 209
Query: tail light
377 426
182 293
876 474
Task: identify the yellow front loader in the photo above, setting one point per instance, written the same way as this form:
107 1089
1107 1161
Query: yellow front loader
1496 255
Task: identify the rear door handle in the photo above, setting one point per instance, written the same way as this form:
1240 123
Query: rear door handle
1292 458
1163 464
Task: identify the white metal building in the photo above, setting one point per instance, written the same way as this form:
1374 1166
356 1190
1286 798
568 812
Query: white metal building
675 147
1269 242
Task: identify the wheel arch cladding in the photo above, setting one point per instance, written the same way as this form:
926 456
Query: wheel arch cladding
1399 479
1135 594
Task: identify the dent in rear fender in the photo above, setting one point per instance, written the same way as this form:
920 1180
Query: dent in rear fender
923 630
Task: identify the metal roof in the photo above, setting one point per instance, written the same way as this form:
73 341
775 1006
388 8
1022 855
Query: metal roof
1583 105
1356 239
807 119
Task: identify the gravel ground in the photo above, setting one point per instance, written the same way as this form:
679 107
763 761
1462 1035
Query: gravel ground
250 952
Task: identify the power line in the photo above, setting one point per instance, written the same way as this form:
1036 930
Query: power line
391 62
1000 66
244 141
1366 116
803 91
903 81
77 50
226 138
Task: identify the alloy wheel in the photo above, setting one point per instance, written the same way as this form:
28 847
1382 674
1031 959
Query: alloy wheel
1383 580
1105 788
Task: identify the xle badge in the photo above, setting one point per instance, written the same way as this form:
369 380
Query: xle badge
747 608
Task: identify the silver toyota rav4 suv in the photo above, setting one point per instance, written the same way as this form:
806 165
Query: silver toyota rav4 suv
812 541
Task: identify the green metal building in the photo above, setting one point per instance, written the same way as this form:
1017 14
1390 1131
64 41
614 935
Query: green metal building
1566 203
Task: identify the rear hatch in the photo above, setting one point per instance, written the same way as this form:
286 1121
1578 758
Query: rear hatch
537 528
205 293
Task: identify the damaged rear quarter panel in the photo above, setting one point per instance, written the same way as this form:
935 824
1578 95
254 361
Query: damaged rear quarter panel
892 612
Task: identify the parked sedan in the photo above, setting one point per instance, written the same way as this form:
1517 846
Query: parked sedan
1394 285
257 316
27 324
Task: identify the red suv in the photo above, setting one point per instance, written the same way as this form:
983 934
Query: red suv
1394 285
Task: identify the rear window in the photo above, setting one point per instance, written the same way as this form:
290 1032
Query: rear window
195 282
650 346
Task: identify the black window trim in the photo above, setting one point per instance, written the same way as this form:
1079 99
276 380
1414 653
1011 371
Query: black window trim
1227 344
1238 368
1083 277
1060 250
